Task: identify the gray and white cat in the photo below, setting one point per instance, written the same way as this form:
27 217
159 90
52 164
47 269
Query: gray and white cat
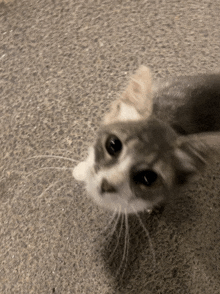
155 139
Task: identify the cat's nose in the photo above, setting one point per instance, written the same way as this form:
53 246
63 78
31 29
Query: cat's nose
106 187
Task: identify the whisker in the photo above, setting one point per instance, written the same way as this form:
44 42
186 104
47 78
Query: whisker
118 238
109 223
125 248
59 150
48 168
48 188
148 236
126 241
52 156
60 188
39 196
114 227
57 190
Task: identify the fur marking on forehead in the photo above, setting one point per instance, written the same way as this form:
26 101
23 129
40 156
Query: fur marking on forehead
118 174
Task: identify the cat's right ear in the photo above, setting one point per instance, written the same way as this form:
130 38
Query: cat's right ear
193 153
136 102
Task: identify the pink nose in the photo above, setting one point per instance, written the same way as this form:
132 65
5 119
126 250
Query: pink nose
106 187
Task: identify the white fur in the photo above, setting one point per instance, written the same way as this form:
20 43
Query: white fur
123 200
79 172
83 169
128 112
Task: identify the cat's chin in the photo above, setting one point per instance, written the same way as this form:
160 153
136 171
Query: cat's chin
122 206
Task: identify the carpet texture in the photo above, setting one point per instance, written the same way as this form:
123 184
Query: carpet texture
61 64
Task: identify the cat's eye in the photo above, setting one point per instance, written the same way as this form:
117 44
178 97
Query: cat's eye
113 145
146 178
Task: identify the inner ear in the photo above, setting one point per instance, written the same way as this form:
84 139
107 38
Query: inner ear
192 154
186 166
136 101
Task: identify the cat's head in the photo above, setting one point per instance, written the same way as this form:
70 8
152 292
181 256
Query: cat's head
137 160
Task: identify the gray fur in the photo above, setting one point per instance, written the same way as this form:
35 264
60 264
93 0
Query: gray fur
160 152
189 104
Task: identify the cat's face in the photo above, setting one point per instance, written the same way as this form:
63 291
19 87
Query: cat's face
138 160
134 166
128 169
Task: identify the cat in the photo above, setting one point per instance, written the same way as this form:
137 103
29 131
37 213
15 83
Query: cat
155 139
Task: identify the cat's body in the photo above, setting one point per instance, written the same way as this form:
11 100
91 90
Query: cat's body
190 104
154 140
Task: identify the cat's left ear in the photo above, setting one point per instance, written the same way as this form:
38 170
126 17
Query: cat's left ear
136 101
192 153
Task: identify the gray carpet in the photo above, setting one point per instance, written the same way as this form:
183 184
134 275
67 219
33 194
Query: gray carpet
61 64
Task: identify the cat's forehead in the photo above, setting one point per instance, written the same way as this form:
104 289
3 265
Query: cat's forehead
152 131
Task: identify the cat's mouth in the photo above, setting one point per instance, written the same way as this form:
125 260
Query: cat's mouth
122 201
114 203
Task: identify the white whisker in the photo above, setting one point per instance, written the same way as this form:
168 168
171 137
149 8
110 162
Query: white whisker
48 188
52 156
109 223
114 227
57 190
126 242
125 247
48 168
118 238
148 236
59 150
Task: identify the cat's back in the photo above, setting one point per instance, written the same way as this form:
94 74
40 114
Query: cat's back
191 104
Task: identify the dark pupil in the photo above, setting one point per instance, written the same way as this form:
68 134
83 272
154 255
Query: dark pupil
147 177
113 145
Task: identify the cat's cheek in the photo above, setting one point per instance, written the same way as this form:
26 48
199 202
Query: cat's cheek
80 171
83 171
